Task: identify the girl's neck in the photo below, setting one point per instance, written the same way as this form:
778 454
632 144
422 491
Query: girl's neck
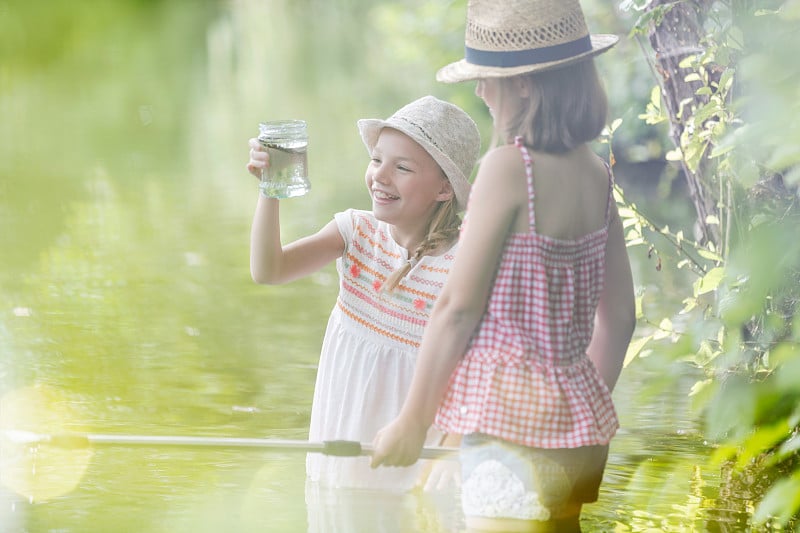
410 240
413 243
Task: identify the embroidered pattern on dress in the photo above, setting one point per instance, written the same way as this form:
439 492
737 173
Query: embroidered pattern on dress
369 259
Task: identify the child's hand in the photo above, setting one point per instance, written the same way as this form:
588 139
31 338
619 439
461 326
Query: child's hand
442 475
398 444
259 159
439 476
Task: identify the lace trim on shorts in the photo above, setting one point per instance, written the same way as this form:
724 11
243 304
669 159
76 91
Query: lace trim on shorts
493 490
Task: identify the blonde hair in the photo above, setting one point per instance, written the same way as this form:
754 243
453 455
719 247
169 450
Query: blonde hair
565 107
442 230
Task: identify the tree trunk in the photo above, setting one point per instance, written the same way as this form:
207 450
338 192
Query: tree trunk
676 37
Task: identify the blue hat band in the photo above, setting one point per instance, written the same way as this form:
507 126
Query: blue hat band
533 56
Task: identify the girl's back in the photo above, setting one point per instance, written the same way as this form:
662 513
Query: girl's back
528 355
570 194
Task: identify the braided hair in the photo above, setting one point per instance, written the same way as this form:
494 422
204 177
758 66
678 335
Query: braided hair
443 230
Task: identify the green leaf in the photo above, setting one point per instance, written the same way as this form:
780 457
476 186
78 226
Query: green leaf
732 409
699 386
784 156
665 329
674 155
708 254
687 61
688 305
634 348
701 394
781 502
710 281
721 150
762 440
692 153
655 96
726 80
723 453
704 112
783 353
735 38
789 447
628 222
788 377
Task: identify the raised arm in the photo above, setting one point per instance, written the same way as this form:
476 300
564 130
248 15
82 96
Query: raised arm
270 261
615 318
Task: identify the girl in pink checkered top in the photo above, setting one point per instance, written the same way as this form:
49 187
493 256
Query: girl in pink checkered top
527 338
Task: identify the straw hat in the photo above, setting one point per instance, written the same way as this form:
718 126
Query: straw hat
511 37
444 130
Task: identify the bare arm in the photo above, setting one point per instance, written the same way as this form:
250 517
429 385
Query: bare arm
495 202
270 261
274 264
615 318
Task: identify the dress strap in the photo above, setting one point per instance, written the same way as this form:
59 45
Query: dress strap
610 199
526 158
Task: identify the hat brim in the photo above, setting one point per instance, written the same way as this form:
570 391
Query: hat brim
370 129
464 71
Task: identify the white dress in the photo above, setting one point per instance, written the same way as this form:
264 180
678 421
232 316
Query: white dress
369 352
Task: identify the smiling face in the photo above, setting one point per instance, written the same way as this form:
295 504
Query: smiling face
406 185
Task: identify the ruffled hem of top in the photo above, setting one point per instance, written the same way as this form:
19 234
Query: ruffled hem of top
529 404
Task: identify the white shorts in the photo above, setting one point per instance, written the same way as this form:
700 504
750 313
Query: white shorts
506 480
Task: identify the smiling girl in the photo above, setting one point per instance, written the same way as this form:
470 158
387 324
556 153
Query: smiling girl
392 261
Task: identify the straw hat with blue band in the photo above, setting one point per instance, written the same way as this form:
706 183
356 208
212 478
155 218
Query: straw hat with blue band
511 37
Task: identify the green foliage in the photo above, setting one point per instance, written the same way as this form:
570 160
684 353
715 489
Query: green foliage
738 320
650 15
782 501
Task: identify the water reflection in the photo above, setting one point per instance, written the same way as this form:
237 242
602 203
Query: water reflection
361 511
125 211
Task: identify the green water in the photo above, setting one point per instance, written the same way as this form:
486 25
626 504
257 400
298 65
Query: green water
125 290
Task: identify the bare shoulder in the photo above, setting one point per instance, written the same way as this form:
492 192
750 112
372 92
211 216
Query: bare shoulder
500 190
506 156
502 166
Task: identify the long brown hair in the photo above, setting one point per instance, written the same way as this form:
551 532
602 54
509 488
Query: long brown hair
442 231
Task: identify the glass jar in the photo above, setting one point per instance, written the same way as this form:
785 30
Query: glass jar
286 142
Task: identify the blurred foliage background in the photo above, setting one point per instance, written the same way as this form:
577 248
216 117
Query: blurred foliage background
726 82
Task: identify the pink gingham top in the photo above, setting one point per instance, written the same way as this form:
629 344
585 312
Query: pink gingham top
525 377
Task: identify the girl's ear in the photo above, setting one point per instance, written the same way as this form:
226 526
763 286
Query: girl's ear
446 192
